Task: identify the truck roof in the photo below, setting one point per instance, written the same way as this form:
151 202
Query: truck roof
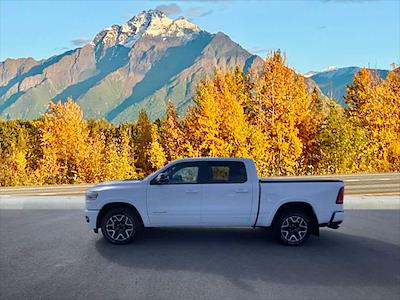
189 159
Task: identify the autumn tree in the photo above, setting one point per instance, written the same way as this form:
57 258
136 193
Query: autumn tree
19 152
204 128
63 135
150 153
360 93
191 142
389 121
342 144
155 152
241 86
172 134
143 141
218 118
374 105
309 124
100 135
382 118
119 156
258 148
277 109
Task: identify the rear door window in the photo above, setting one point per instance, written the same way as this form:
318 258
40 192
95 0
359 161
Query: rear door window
226 172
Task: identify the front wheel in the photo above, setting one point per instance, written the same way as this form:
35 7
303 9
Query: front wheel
120 226
292 228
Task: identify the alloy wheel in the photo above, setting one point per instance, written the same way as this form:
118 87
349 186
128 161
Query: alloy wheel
120 227
294 229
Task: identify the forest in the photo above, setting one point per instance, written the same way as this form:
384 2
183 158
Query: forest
270 117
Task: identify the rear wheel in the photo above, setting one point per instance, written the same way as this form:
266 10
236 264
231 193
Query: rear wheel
120 225
292 227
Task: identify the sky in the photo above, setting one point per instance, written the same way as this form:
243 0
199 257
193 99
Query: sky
314 34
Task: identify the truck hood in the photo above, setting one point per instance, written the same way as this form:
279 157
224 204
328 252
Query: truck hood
115 184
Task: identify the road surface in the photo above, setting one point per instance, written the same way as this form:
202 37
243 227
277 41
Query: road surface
51 254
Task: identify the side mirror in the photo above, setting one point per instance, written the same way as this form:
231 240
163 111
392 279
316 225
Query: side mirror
163 178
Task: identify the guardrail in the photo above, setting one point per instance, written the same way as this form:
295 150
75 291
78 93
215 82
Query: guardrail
46 190
355 184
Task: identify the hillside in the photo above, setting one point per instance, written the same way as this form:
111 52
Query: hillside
333 82
126 68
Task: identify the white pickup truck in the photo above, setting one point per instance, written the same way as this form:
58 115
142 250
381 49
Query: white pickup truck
214 192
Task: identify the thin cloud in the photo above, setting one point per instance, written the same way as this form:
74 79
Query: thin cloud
344 1
198 12
202 0
259 50
80 41
61 48
169 9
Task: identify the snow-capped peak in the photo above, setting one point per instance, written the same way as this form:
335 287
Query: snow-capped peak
151 22
326 70
329 69
310 74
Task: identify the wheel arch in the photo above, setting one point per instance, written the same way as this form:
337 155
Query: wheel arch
117 204
301 206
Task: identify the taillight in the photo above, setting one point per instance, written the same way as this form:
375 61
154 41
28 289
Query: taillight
340 196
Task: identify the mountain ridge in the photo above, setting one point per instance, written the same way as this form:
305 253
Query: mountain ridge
124 69
138 65
333 82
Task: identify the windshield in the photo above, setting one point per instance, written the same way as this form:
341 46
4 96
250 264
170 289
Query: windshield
152 174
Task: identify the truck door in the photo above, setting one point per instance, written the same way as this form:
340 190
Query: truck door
175 200
228 194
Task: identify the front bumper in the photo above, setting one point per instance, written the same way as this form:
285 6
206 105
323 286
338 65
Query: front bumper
91 218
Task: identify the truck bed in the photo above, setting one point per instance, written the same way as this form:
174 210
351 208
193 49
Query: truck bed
282 180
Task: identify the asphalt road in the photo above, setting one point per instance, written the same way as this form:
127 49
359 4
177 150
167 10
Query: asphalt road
355 184
51 254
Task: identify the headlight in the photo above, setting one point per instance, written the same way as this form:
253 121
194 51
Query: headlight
91 196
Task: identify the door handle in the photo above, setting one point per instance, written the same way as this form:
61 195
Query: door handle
243 191
192 191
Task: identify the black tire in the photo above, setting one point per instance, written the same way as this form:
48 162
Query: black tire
120 225
292 227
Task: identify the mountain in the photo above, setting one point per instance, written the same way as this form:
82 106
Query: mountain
334 81
124 69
